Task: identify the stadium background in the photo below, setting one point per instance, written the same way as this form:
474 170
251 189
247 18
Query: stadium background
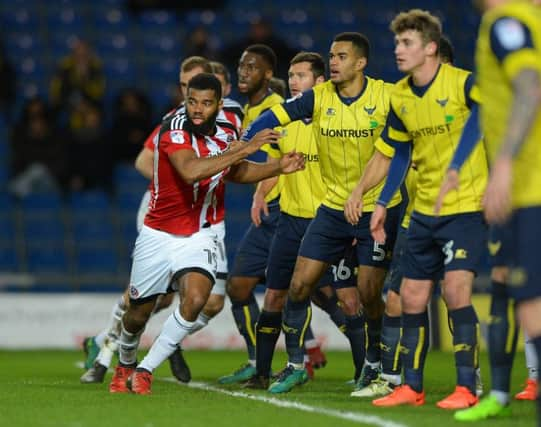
81 242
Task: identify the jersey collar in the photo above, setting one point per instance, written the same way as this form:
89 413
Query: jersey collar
350 100
421 90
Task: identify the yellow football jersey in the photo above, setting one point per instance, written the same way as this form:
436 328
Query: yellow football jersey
252 112
345 131
510 41
433 121
304 190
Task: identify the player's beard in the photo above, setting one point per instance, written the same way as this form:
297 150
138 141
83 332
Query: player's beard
205 128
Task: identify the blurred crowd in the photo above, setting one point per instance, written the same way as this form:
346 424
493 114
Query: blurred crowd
71 140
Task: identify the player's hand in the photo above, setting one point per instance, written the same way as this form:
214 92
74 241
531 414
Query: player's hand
497 199
265 136
450 182
292 162
377 223
258 205
353 209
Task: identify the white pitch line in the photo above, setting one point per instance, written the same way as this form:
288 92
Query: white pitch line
350 416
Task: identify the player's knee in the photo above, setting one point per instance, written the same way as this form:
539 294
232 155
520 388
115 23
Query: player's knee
238 289
499 274
350 306
136 317
274 300
393 307
298 290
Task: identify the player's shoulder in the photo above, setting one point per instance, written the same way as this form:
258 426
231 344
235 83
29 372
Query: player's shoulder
326 86
230 103
225 127
273 99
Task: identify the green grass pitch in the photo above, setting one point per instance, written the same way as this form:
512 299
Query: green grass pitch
41 388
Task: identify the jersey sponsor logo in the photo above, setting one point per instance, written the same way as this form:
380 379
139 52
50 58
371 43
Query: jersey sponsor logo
331 112
517 277
373 124
347 133
494 247
442 102
449 118
177 137
369 110
510 33
430 130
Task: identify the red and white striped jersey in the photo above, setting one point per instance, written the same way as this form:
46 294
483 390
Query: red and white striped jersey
177 207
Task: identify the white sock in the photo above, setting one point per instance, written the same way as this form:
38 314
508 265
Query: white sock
306 358
310 343
100 338
501 396
175 329
201 321
393 379
531 358
106 353
128 343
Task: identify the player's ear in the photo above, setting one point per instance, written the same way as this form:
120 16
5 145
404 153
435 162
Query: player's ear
361 63
269 74
220 103
431 48
320 79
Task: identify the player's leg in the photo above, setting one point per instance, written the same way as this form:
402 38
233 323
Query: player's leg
249 270
521 242
421 261
297 317
374 261
530 390
282 255
194 262
462 240
177 363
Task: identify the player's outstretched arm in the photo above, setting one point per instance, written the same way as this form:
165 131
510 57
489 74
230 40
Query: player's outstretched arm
376 170
192 168
247 172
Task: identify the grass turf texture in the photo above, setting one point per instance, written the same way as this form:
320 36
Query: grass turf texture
41 388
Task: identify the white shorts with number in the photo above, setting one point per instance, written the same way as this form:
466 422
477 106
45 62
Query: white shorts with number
158 256
221 254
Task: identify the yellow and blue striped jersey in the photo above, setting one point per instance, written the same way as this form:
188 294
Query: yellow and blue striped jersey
304 190
509 42
345 130
432 118
252 112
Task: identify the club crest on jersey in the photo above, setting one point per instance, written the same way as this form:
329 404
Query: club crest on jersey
369 110
134 293
442 102
177 136
331 111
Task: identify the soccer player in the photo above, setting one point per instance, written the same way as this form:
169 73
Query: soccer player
391 364
508 64
101 357
192 157
300 197
256 68
428 112
348 114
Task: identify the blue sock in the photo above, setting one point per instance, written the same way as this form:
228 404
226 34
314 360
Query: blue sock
373 339
267 333
414 347
465 345
246 314
502 339
391 363
297 319
355 334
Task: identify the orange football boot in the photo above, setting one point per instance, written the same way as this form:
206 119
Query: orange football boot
401 395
